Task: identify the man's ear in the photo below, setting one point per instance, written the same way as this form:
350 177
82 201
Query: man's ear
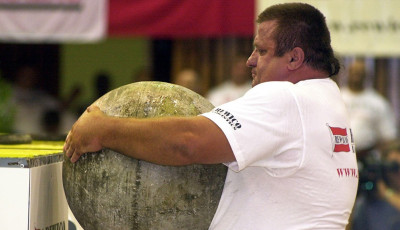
296 58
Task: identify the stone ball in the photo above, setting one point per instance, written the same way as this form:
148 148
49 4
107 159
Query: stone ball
108 190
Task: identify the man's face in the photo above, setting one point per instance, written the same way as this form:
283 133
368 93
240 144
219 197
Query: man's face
356 76
265 65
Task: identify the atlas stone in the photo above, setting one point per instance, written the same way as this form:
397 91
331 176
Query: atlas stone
108 190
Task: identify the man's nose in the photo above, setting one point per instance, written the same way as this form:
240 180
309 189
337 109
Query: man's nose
252 60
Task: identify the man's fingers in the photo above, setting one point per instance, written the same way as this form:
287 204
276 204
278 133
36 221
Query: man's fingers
67 141
67 145
69 151
66 148
75 156
72 153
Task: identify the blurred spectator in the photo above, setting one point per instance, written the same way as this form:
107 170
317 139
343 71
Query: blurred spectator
378 205
30 101
32 104
188 78
50 126
237 85
372 118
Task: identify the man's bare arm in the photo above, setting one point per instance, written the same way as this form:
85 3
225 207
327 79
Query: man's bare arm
166 141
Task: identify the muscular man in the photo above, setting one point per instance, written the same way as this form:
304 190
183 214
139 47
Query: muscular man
286 142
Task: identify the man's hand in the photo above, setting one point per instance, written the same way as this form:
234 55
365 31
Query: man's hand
85 135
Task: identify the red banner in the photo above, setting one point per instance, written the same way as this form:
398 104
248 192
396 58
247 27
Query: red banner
181 19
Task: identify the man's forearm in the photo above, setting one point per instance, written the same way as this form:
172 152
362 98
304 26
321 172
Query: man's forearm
158 140
166 141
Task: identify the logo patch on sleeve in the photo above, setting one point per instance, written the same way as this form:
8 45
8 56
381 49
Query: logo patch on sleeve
232 121
340 139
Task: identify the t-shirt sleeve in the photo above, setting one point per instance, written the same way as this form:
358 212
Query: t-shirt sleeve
263 128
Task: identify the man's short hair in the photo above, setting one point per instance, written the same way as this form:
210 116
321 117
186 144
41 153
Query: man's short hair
302 25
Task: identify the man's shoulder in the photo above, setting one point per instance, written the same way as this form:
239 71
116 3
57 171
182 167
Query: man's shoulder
274 92
275 85
284 87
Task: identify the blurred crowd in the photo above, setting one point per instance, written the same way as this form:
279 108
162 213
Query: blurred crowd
374 129
31 110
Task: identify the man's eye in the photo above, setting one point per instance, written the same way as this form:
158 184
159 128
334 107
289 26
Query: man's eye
261 52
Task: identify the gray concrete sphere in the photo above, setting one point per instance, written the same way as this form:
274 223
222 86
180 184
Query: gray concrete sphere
108 190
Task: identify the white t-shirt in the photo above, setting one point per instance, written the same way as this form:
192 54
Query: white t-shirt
295 163
371 117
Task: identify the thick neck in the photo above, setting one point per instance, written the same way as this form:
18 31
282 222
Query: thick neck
306 73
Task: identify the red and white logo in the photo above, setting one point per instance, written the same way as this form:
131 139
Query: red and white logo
340 140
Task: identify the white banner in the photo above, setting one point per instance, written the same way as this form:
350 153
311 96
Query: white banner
52 20
358 27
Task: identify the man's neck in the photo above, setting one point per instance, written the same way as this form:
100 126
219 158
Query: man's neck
306 73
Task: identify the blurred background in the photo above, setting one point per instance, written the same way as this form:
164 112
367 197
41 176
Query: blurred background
69 46
70 43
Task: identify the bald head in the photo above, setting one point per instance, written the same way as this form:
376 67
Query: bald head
188 78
